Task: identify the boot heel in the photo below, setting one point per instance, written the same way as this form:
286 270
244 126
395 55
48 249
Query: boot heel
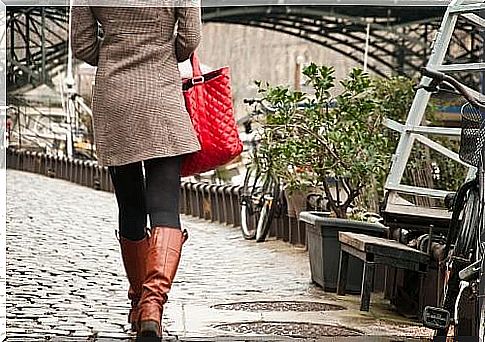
149 329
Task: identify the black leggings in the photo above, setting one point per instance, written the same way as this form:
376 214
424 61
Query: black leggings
156 194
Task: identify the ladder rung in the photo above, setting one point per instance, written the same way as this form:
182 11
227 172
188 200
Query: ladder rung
419 191
461 67
467 8
475 19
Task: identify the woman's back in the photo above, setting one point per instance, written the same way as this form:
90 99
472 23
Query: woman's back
138 107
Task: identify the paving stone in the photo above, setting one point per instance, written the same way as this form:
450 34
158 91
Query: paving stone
65 277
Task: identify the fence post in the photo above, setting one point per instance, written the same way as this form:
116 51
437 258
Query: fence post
21 160
199 198
13 159
43 162
79 172
96 177
90 174
27 161
82 172
227 196
61 167
109 184
73 173
7 160
50 170
105 181
72 170
65 167
187 194
206 202
182 197
213 202
68 167
194 199
236 205
56 165
302 233
221 201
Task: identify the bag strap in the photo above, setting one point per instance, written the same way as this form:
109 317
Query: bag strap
194 59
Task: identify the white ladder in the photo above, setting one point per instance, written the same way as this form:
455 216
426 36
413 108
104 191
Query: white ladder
412 131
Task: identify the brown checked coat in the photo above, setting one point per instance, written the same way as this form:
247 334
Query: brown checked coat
138 106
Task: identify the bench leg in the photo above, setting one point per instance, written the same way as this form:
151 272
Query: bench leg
342 273
422 278
367 278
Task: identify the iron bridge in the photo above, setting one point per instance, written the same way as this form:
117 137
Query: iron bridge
400 35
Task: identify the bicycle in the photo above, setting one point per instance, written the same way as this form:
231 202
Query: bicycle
261 196
464 248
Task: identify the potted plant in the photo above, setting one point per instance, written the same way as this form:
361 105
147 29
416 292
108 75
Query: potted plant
336 143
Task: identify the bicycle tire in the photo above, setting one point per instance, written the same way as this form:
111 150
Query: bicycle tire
466 237
248 211
458 205
268 211
464 233
467 320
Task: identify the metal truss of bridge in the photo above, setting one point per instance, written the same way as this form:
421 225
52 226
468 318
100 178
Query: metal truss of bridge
36 46
400 35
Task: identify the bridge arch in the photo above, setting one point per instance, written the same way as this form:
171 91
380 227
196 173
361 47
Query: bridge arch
400 37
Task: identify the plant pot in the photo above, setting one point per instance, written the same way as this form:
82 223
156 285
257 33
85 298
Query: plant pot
324 250
296 201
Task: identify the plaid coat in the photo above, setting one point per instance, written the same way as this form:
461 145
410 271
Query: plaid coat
138 106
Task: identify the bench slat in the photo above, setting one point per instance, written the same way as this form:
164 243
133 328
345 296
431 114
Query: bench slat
383 247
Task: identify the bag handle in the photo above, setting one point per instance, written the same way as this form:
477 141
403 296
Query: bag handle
194 60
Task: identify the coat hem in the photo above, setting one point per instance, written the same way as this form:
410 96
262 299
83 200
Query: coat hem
118 161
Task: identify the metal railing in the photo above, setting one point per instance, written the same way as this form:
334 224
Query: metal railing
211 202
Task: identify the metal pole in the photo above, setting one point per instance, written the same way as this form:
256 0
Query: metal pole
28 55
12 49
481 175
19 123
366 54
43 47
70 91
298 64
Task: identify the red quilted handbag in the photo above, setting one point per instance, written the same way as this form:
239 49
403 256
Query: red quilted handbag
208 99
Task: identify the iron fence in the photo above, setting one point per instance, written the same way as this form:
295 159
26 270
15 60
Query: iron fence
211 202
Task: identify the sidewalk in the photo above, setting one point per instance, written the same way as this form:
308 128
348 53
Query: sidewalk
65 279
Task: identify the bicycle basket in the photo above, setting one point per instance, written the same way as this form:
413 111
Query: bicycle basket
472 135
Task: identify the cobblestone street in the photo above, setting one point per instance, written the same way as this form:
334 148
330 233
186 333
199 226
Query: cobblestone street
65 278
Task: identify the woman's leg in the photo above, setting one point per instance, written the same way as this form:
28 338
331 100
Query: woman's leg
163 191
165 241
130 194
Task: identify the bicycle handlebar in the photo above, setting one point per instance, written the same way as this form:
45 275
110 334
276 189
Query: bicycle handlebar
251 101
438 77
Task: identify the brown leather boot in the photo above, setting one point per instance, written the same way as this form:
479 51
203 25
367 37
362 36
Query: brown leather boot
163 256
134 256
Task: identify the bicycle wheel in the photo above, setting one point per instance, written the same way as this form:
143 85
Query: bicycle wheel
270 203
481 302
461 254
250 203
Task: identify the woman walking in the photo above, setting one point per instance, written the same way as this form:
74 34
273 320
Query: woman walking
142 132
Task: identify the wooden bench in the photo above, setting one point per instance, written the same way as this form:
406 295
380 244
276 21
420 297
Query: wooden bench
372 251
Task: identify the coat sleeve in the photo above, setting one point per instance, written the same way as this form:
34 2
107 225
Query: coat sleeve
84 35
188 31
